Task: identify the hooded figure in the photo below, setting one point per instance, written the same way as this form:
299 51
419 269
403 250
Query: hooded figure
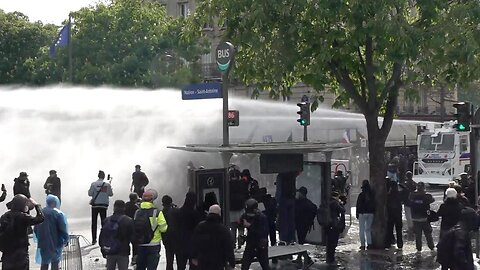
52 234
186 219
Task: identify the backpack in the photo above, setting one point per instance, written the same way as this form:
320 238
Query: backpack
445 247
144 230
323 216
7 231
109 241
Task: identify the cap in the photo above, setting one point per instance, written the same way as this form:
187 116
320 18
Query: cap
246 172
23 174
215 209
303 190
167 200
451 193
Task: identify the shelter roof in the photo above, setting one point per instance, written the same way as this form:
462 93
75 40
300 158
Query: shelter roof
266 148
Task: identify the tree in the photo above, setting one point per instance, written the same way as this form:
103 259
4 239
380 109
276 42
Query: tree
131 43
21 46
362 50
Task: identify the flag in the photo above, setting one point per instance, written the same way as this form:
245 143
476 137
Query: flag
60 41
346 136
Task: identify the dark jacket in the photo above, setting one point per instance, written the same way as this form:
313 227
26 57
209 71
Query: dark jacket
131 208
463 254
450 213
53 186
337 214
238 194
22 222
186 219
212 244
394 201
21 186
420 204
258 230
366 202
126 232
305 213
169 238
139 180
270 208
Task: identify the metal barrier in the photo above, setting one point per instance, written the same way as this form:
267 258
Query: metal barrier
72 255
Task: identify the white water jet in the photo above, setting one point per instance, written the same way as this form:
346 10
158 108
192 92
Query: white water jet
78 131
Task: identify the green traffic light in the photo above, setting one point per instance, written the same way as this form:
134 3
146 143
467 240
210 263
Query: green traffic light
461 127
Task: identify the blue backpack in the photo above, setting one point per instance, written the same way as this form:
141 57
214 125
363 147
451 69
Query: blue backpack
109 239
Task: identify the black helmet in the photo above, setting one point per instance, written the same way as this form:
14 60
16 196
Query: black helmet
251 205
19 203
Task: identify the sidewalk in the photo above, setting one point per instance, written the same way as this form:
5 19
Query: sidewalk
348 254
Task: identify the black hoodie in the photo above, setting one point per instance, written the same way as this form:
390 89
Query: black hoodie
212 244
21 186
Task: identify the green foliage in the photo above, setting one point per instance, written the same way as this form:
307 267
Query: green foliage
123 43
363 50
20 47
132 43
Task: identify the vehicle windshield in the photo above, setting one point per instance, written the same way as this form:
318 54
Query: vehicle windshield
442 142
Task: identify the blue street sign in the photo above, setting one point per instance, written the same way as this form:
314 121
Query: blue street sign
202 91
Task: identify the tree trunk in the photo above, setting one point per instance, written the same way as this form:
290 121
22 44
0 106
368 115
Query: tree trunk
376 147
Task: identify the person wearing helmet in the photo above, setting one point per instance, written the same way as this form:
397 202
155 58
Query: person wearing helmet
149 224
14 226
257 235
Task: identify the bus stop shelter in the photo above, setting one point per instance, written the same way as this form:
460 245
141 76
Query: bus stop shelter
314 157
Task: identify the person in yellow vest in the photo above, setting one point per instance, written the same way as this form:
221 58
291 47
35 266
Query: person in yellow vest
149 225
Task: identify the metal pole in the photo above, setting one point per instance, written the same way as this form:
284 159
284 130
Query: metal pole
305 135
474 165
226 138
70 64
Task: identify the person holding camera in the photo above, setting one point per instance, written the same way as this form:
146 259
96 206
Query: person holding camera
257 235
14 226
52 185
4 193
100 191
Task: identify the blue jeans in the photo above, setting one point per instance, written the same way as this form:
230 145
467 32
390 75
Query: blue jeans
286 220
365 224
148 257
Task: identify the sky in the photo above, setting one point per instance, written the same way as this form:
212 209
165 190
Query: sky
47 11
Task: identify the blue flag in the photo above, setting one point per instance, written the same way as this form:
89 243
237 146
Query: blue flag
60 41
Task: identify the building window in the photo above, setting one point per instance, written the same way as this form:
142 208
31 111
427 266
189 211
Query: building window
183 9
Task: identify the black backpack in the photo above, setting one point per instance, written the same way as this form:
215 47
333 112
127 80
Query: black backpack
445 246
144 230
109 241
7 232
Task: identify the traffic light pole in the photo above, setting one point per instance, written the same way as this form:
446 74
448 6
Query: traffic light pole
475 161
305 135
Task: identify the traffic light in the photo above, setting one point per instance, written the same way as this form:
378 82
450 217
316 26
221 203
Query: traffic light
304 113
463 116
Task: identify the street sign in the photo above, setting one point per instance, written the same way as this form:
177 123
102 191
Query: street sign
233 118
202 91
224 56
